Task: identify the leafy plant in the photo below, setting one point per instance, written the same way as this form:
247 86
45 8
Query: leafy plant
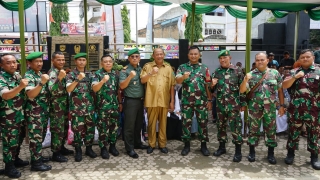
60 14
126 24
197 27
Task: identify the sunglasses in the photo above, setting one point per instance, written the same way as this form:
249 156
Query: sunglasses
136 56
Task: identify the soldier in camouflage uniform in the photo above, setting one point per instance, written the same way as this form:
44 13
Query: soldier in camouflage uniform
37 109
304 107
226 80
12 115
192 76
106 85
262 106
58 108
81 106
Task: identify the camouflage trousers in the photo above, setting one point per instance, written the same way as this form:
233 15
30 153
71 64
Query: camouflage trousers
83 128
59 125
235 124
296 119
37 129
108 124
12 137
202 118
266 114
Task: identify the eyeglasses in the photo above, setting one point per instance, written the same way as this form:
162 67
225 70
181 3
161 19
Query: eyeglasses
136 56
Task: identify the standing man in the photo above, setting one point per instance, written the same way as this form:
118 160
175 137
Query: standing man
37 109
58 108
159 79
262 104
304 106
12 114
105 84
81 106
272 61
133 103
196 98
226 80
287 61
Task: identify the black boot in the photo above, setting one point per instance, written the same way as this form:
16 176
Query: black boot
113 150
186 149
104 153
39 166
204 149
90 153
237 155
58 157
64 151
314 161
221 150
290 157
11 171
19 162
78 155
271 158
252 154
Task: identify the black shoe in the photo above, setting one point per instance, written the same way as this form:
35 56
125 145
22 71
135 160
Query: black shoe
133 154
90 152
113 150
78 155
237 155
204 150
271 158
64 151
58 157
164 150
20 163
39 166
150 150
104 153
221 150
314 162
186 149
45 159
11 171
290 157
141 146
252 154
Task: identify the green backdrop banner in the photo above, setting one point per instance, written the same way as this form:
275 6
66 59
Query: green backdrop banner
110 2
241 14
157 2
200 9
314 14
279 14
13 6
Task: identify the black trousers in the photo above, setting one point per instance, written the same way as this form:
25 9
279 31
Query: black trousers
133 120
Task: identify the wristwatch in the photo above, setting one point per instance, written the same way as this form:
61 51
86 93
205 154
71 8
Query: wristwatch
76 80
40 84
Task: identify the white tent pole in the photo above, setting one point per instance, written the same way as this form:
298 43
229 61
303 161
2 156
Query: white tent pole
296 30
136 24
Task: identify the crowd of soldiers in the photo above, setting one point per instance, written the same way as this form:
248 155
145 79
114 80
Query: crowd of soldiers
28 102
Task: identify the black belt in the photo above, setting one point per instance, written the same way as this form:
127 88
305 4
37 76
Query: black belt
141 98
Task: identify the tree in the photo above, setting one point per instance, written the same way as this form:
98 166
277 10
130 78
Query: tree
126 24
60 14
197 27
315 37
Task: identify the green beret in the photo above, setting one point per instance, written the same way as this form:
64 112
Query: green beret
224 53
79 55
34 55
133 51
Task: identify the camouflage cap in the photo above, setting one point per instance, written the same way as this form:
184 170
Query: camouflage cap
224 53
34 55
133 51
79 55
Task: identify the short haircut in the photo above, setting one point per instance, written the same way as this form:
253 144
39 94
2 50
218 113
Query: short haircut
158 48
194 47
286 53
106 55
255 57
305 51
253 64
6 54
56 53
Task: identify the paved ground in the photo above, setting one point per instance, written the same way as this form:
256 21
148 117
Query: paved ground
174 166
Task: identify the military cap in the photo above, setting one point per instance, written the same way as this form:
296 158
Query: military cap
224 53
133 51
34 55
79 55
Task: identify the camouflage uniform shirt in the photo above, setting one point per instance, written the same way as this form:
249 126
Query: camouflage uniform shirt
193 88
106 97
40 104
57 90
81 99
229 80
13 106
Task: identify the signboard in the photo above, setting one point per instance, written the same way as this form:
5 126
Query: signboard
9 20
10 48
69 50
77 28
